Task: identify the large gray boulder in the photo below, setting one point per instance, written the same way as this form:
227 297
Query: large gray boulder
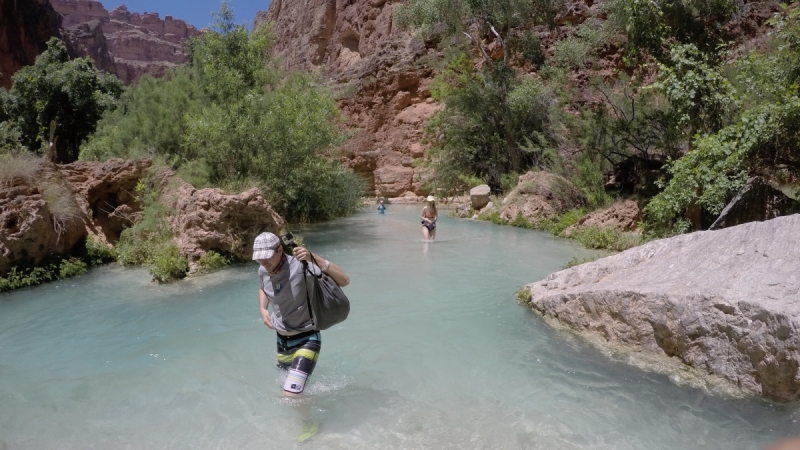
726 302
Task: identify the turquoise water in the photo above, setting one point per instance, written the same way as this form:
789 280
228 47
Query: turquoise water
436 354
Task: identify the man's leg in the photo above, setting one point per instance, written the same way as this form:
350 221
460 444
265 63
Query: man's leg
299 356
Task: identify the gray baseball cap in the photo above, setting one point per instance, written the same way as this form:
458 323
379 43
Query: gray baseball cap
265 245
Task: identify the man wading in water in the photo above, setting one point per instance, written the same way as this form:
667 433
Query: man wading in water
283 285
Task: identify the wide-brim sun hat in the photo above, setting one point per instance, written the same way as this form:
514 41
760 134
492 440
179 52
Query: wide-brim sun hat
265 246
431 198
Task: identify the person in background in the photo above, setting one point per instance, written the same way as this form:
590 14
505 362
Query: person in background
381 207
283 285
429 216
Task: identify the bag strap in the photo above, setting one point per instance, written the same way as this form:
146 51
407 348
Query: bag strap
308 297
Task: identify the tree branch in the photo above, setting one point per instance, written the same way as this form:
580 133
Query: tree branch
502 43
483 52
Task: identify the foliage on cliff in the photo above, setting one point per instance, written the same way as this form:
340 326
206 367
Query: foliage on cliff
231 119
683 119
764 138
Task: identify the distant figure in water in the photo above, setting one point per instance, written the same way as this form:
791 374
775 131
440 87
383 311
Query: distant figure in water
381 207
428 216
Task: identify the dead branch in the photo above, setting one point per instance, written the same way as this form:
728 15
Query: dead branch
483 52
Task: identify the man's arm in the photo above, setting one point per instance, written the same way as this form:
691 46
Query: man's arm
263 302
332 269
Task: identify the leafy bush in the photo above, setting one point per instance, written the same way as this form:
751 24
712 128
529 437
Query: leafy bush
97 252
149 241
71 267
10 137
166 263
150 120
212 261
566 220
578 50
606 238
492 216
492 123
648 25
763 140
521 221
20 278
703 100
56 268
523 295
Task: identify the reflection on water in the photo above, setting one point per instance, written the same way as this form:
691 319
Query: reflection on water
435 354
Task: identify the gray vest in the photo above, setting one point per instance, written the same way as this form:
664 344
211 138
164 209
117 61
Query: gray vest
287 294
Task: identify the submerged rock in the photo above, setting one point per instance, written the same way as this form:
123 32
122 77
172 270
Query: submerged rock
726 302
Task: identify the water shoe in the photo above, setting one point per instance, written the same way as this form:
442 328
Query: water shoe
310 429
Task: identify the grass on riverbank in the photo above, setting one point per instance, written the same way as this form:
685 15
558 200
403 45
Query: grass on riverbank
93 253
594 237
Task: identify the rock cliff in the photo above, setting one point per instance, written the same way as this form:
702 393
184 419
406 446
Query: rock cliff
726 302
25 28
121 42
354 47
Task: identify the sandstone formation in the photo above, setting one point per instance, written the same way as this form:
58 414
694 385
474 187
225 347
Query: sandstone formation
725 302
624 215
209 219
134 44
389 116
106 194
331 37
47 209
25 28
38 214
87 39
541 195
757 200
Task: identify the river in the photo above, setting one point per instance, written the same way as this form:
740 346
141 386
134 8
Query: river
436 354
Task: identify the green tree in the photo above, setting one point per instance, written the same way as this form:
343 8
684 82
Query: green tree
230 62
701 98
231 119
67 93
763 140
511 21
651 25
493 123
150 120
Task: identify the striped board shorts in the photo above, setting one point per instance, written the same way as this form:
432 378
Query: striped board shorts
298 354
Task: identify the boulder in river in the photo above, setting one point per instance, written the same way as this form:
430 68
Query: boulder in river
726 302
